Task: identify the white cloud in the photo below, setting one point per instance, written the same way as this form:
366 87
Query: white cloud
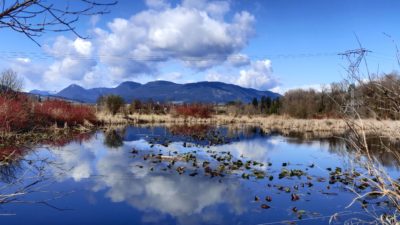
193 32
172 76
23 60
83 47
94 19
29 71
216 9
278 89
316 87
198 34
73 61
239 60
258 76
225 77
157 4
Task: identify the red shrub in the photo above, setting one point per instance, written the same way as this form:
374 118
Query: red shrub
14 113
20 113
194 110
63 112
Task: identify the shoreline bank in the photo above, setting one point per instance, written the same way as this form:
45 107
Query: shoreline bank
305 128
43 136
283 124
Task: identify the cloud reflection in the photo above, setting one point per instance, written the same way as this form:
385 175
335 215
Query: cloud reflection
117 173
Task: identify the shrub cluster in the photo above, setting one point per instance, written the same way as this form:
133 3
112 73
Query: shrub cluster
194 110
63 112
20 113
14 112
149 107
113 103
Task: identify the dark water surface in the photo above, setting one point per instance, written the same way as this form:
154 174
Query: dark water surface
127 177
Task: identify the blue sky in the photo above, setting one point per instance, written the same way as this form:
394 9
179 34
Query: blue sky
258 43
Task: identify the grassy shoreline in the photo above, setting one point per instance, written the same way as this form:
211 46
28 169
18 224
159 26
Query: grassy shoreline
283 124
42 136
306 128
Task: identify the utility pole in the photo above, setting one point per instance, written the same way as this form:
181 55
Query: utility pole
354 58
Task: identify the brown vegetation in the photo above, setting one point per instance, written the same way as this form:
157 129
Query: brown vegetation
20 113
193 110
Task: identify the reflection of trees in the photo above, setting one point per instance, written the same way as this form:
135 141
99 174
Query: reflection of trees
215 134
10 163
8 172
247 131
376 145
113 139
24 176
196 131
386 158
66 139
23 171
200 133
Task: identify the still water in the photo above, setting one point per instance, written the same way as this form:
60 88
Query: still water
181 175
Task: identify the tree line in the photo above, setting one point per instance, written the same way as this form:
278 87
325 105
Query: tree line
372 98
375 97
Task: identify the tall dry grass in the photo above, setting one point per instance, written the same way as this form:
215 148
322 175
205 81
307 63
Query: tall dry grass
283 124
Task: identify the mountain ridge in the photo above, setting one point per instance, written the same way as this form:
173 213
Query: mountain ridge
203 91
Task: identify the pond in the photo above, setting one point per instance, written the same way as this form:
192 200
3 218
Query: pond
183 175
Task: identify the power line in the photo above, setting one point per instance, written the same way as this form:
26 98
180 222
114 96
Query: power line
155 57
351 56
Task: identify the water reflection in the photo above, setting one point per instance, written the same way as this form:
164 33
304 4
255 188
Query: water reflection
123 180
115 165
113 139
10 164
173 194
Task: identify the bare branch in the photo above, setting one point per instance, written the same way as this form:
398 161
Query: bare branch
36 17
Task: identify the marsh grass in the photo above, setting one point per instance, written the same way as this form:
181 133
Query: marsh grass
283 124
382 185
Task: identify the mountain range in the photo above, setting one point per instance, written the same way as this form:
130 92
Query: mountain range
208 92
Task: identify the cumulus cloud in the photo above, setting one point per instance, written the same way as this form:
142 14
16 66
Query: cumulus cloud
157 4
258 76
173 76
73 61
194 32
239 60
216 9
316 87
30 71
198 34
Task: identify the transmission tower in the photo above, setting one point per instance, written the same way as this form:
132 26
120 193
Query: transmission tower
354 58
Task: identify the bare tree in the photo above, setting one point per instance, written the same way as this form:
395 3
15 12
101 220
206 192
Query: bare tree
35 17
10 82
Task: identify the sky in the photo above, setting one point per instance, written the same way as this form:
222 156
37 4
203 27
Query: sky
263 44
